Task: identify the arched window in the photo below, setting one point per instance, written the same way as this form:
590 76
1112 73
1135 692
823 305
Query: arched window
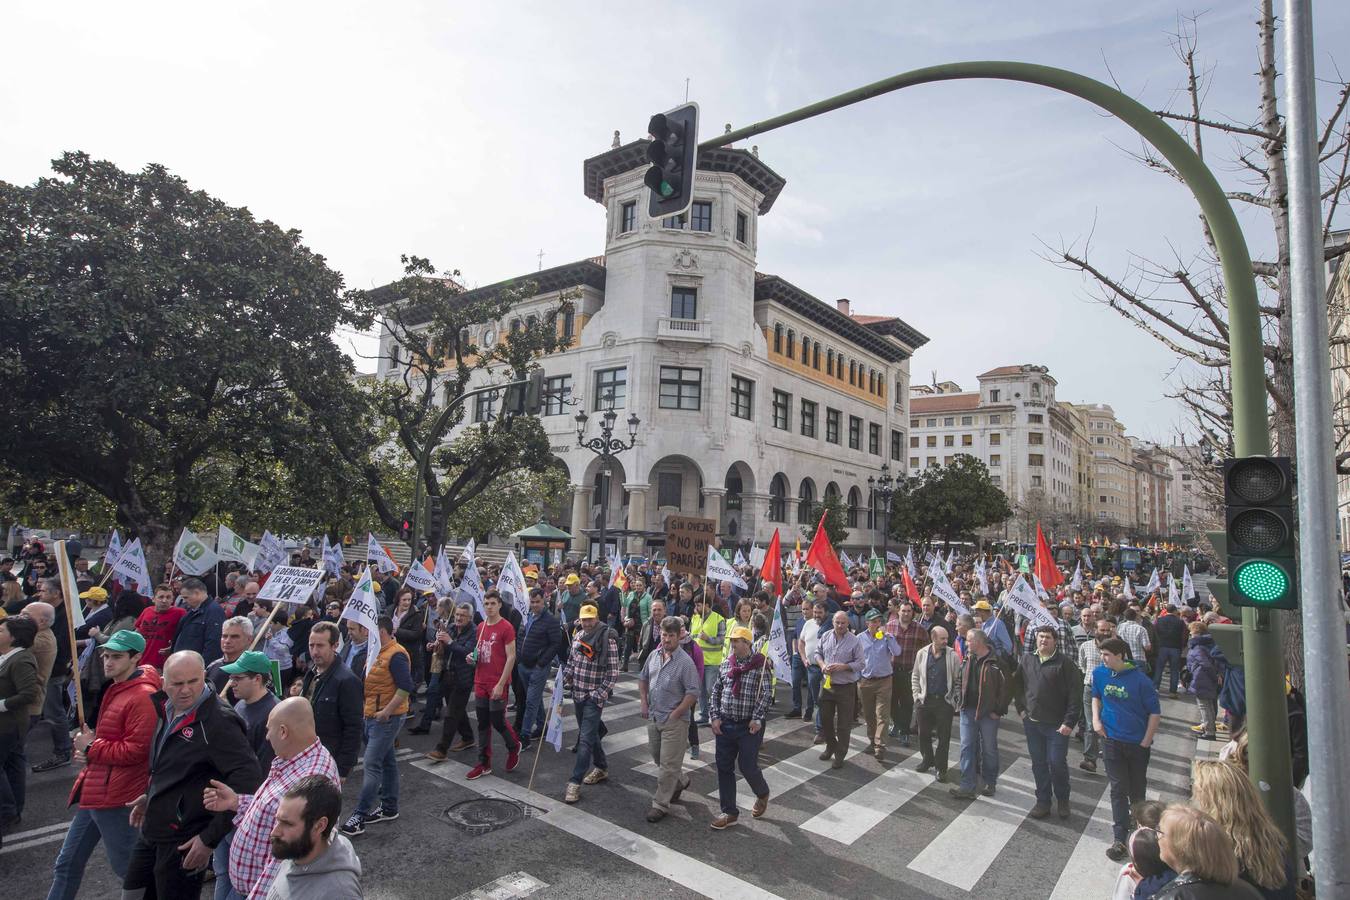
852 372
791 342
806 350
806 501
734 487
778 337
832 492
516 326
532 322
778 489
815 356
829 362
854 501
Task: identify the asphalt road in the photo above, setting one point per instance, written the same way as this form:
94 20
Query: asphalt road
868 830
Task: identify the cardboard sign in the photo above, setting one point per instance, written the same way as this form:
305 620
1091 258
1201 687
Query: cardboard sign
687 542
290 584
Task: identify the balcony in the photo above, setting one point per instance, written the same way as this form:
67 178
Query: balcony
695 331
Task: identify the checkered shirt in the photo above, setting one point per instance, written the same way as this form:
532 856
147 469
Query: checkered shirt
590 678
252 866
755 693
1089 658
1063 634
1133 634
910 639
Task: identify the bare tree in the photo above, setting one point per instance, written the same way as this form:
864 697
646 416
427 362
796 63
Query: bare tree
1181 302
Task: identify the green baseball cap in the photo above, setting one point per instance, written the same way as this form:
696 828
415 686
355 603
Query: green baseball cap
128 640
250 662
872 614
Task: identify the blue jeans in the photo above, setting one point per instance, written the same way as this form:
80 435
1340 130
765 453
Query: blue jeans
978 737
814 679
381 775
737 746
13 775
799 685
589 752
87 828
1049 752
54 715
220 864
710 673
1166 655
535 677
433 699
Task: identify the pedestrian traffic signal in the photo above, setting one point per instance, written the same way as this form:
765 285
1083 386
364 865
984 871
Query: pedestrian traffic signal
1259 512
673 153
435 521
405 528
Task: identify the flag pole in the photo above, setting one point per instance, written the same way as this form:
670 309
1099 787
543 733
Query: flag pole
539 746
63 565
276 605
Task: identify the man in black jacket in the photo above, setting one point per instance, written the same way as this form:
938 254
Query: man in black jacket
1172 636
456 644
337 696
1047 691
537 641
198 739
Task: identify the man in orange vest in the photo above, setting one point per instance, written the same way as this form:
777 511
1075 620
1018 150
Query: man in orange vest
388 685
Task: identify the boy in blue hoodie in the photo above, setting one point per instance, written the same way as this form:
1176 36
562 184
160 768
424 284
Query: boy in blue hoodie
1125 712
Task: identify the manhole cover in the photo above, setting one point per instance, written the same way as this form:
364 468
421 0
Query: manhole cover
483 814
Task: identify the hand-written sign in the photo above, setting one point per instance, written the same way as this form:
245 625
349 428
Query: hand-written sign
290 584
687 540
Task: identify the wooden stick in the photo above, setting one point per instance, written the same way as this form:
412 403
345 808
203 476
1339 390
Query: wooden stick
67 577
539 747
276 605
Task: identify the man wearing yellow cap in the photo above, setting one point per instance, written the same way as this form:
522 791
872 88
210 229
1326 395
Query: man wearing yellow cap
591 672
737 709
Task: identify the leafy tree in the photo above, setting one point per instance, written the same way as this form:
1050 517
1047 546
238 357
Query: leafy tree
836 520
948 503
415 410
151 341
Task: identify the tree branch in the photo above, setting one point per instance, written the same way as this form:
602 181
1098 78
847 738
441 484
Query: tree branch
1220 126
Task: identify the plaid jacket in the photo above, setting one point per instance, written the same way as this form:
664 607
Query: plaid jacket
591 675
756 690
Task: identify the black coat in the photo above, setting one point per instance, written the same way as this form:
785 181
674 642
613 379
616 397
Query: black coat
1186 887
1050 692
208 744
1171 631
541 645
339 706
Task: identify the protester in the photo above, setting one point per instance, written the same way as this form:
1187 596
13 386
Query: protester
20 694
590 675
456 644
199 629
668 686
709 628
387 687
1125 713
314 861
1204 677
494 658
158 624
739 706
336 696
910 637
251 680
881 654
840 658
1047 692
983 702
540 641
936 687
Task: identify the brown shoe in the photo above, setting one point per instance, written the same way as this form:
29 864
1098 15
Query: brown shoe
595 776
723 822
459 745
437 756
655 815
827 754
679 789
761 804
573 792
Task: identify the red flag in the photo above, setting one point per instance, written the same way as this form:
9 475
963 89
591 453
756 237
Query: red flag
910 587
772 568
822 558
1046 569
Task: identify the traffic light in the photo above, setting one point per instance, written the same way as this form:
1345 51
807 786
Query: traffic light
534 393
435 521
1259 513
673 153
405 528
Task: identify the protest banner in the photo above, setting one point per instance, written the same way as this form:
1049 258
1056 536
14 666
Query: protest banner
192 556
720 570
1022 597
290 584
687 541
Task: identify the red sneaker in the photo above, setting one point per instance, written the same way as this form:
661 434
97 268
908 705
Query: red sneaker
479 771
513 759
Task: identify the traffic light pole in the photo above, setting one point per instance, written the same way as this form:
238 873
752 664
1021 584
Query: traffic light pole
1325 681
1268 746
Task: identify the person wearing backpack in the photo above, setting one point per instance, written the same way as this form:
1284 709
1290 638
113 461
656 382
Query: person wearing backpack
590 674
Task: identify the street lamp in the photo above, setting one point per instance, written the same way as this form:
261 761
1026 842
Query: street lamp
606 446
884 488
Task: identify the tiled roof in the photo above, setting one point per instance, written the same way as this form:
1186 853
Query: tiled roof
1003 370
872 320
943 403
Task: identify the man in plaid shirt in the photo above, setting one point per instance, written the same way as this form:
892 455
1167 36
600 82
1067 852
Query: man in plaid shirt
290 728
591 672
736 708
910 635
1063 631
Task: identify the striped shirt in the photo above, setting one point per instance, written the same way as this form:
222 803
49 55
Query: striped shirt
669 681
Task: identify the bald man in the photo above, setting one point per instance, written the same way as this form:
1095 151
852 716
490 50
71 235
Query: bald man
199 742
290 730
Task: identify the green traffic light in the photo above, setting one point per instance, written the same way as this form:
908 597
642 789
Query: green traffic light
666 188
1261 581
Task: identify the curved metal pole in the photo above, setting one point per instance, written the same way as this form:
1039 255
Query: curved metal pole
1262 652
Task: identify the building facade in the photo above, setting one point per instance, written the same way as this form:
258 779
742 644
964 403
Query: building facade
756 399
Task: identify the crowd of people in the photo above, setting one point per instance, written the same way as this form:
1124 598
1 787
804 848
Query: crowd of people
228 728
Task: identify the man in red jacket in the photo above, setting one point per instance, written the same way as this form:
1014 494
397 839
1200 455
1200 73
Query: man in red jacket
159 624
117 767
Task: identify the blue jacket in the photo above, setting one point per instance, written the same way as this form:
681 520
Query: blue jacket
538 645
1128 699
200 630
1202 659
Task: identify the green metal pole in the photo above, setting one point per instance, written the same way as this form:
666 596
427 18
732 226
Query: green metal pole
1268 748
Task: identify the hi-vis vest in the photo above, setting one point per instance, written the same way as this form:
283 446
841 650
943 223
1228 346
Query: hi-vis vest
705 632
380 685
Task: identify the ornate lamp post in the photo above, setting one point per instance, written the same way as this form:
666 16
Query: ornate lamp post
884 489
606 446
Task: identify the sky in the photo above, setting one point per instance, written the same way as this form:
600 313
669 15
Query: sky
457 131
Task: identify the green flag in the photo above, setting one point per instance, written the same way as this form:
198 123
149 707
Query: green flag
1022 564
874 567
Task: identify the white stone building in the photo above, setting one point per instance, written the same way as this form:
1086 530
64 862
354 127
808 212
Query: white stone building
756 399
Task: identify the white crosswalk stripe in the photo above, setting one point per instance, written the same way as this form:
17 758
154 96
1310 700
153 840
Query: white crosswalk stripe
800 768
777 728
867 807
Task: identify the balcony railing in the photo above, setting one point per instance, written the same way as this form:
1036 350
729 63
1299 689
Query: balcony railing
673 329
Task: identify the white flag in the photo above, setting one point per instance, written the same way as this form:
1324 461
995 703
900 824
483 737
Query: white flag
131 564
418 578
512 585
467 553
756 557
893 557
909 564
271 553
942 588
230 546
1154 583
740 558
192 556
1023 599
778 647
1187 584
362 609
845 561
1077 583
720 570
333 560
1173 597
444 575
471 587
114 549
951 560
1129 588
65 570
982 573
1040 588
375 551
554 732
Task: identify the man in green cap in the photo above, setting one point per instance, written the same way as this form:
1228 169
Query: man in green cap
252 677
880 652
117 767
